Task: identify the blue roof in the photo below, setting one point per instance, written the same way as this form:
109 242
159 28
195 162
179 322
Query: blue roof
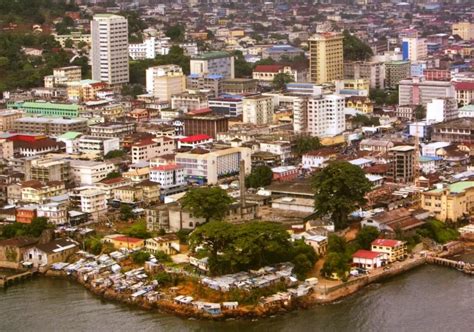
214 76
284 48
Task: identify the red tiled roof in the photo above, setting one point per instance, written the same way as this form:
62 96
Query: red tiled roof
268 68
113 180
385 243
195 138
169 167
464 85
200 111
366 254
127 239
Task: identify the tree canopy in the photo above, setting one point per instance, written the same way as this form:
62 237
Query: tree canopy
232 248
210 203
339 189
281 80
176 33
37 226
260 176
305 143
354 49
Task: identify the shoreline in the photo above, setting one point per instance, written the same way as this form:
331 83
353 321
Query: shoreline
318 297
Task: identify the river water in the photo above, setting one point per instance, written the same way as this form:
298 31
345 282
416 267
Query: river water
430 298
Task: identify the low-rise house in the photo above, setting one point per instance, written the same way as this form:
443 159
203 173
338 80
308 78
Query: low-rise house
285 173
318 158
297 204
401 218
55 212
318 242
26 214
368 260
58 250
395 250
34 191
169 244
376 145
121 241
450 203
12 250
150 191
128 194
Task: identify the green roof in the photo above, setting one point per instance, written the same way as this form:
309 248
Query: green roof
211 55
54 106
459 187
70 135
467 108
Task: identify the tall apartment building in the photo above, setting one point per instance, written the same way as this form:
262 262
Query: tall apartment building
211 83
414 48
50 126
465 30
402 164
7 119
373 72
300 114
113 129
205 166
326 62
93 202
62 76
325 115
88 172
152 148
47 169
109 53
441 109
149 49
229 107
164 81
187 101
257 109
207 124
417 91
213 63
395 71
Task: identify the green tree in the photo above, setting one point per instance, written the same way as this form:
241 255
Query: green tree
420 112
337 244
113 175
281 80
336 263
115 154
354 49
37 226
68 43
260 176
242 67
176 33
140 257
210 203
138 230
93 245
339 189
438 231
304 143
366 236
126 212
364 120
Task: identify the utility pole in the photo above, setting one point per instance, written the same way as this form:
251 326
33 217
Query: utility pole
242 186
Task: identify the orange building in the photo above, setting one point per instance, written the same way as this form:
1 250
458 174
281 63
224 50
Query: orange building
25 215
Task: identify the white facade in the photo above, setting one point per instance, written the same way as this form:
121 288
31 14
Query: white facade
282 149
151 149
313 161
89 172
98 145
441 109
164 81
257 110
414 48
149 49
211 166
93 201
168 176
215 63
109 53
326 116
56 213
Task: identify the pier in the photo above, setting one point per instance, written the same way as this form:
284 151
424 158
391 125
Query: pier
467 268
5 281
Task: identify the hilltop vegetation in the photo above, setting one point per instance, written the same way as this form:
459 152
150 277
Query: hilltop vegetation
33 11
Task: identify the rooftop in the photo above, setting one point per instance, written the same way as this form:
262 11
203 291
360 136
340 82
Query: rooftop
211 55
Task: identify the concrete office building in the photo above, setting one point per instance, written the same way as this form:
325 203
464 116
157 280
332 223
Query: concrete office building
149 49
7 119
207 124
50 126
62 76
465 30
441 109
164 81
47 169
42 108
206 83
109 53
97 145
417 91
326 62
373 72
226 106
414 49
257 110
395 71
213 63
402 164
325 115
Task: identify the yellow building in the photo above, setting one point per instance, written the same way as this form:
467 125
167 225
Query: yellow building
34 191
450 203
122 241
326 62
361 104
84 90
465 30
395 250
169 244
128 194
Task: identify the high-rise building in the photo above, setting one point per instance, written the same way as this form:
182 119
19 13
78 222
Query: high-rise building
465 30
395 71
258 109
414 49
326 62
164 81
373 71
325 115
213 63
417 91
402 164
109 52
442 109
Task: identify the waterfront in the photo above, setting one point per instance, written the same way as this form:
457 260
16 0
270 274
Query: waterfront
430 298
